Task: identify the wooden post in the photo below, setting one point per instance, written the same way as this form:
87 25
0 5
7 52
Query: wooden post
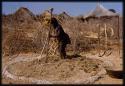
106 38
118 38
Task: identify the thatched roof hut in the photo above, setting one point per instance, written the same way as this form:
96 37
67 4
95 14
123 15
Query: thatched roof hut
101 11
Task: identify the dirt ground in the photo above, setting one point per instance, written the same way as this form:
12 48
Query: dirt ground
69 70
117 65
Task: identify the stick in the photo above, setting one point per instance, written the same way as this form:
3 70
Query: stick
105 36
44 47
118 38
105 41
51 47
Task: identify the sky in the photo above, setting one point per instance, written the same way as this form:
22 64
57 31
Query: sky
72 8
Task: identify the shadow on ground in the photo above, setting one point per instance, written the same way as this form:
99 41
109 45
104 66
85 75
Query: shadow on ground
73 56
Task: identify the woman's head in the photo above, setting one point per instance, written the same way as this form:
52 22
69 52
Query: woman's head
54 22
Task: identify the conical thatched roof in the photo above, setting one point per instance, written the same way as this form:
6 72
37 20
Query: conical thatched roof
24 14
100 11
22 11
